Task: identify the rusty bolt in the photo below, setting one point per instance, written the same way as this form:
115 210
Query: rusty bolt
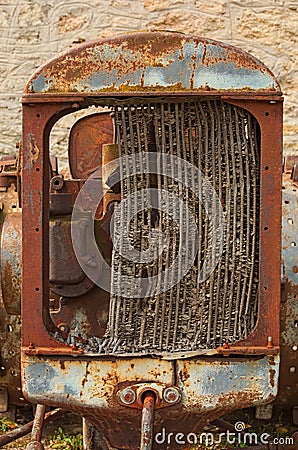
128 396
31 346
270 342
171 395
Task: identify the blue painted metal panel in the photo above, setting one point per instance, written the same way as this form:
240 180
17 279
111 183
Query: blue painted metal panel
290 232
228 384
206 384
158 62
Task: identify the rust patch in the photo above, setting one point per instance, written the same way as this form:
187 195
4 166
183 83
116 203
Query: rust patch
272 374
130 54
271 361
32 148
62 364
86 140
184 374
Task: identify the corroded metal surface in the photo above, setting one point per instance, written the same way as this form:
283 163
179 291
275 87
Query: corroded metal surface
66 276
223 384
289 230
11 268
10 319
209 387
269 273
86 139
156 61
288 383
147 421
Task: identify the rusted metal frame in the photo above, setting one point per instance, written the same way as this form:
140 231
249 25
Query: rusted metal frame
26 429
269 116
98 401
32 350
38 120
102 96
101 405
37 188
247 350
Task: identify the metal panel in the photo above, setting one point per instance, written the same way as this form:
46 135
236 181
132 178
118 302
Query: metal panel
288 383
227 385
10 298
156 61
11 268
209 387
86 139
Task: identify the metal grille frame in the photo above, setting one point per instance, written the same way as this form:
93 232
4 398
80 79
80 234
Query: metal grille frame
265 111
42 109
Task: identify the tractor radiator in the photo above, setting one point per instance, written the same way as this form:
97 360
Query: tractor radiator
222 141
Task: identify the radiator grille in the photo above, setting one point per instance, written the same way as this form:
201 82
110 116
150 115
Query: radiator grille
222 141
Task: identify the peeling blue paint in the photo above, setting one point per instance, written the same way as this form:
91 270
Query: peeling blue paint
209 384
40 84
290 232
222 76
193 65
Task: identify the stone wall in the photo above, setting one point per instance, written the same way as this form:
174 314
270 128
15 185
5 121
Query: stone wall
32 31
